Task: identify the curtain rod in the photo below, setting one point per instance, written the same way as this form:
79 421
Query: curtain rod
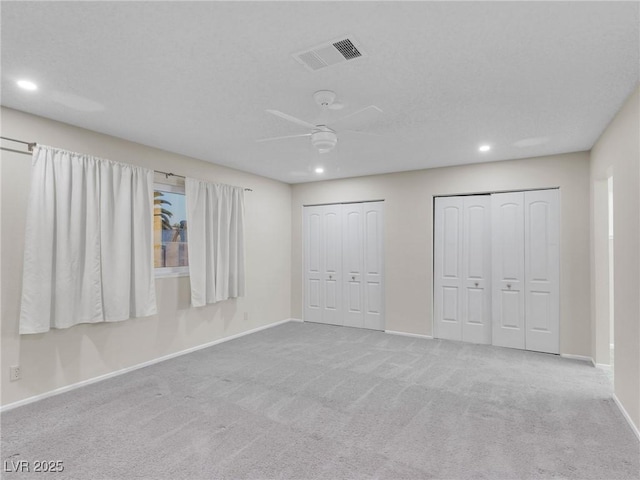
30 146
169 174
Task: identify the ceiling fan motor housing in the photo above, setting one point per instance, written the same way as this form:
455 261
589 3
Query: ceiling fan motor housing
324 98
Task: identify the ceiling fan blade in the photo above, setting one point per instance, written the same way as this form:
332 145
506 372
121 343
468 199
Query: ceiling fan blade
370 110
291 118
282 138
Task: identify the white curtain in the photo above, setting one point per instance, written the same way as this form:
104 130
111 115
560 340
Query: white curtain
215 222
89 242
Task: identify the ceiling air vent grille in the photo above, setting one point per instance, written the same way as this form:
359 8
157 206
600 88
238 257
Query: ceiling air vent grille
311 60
347 49
330 53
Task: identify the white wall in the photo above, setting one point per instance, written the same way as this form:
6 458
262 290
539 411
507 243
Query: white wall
64 357
617 151
409 233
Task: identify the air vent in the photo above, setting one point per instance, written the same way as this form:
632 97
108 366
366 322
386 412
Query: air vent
331 53
347 49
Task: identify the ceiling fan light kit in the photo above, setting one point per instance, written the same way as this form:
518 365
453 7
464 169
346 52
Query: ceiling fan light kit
324 139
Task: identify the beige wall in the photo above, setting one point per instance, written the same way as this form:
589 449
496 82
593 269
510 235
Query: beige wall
409 232
617 152
64 357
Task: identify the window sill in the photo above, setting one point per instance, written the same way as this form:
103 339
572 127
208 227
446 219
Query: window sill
170 272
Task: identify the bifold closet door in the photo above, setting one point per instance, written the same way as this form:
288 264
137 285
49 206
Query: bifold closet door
353 264
373 284
343 265
526 306
323 264
476 269
462 265
507 216
542 270
448 268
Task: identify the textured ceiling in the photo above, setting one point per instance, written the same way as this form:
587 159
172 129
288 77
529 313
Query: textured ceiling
195 78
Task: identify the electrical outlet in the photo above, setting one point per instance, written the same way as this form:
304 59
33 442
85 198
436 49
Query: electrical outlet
15 373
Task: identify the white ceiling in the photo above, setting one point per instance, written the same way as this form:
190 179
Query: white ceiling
195 78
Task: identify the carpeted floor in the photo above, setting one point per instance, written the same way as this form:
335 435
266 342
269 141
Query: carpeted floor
308 401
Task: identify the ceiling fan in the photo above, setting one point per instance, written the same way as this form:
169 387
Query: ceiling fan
323 134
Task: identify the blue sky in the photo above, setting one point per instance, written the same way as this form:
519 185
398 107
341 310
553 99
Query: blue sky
177 206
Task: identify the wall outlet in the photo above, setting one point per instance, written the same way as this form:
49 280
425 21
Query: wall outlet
15 373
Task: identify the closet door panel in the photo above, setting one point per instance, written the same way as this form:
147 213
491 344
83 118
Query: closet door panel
372 215
353 260
507 219
450 309
476 269
332 268
313 296
542 270
448 267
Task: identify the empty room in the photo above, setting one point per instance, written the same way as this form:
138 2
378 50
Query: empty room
320 240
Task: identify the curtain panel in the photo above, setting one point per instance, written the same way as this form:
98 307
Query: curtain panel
215 219
88 243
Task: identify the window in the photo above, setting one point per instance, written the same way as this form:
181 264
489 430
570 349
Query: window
170 250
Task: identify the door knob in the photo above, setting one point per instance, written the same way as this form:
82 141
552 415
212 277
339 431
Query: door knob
476 284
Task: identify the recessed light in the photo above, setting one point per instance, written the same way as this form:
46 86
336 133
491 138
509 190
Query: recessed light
319 170
27 85
484 148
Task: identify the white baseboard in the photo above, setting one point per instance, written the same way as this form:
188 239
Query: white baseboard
634 428
604 366
582 358
89 381
295 320
405 334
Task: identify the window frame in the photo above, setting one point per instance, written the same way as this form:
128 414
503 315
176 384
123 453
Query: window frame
166 272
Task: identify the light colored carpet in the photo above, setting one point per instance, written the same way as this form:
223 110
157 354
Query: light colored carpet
308 401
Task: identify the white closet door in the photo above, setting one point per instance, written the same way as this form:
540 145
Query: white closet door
476 269
353 261
508 269
332 264
541 240
313 261
372 214
323 264
448 267
343 265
